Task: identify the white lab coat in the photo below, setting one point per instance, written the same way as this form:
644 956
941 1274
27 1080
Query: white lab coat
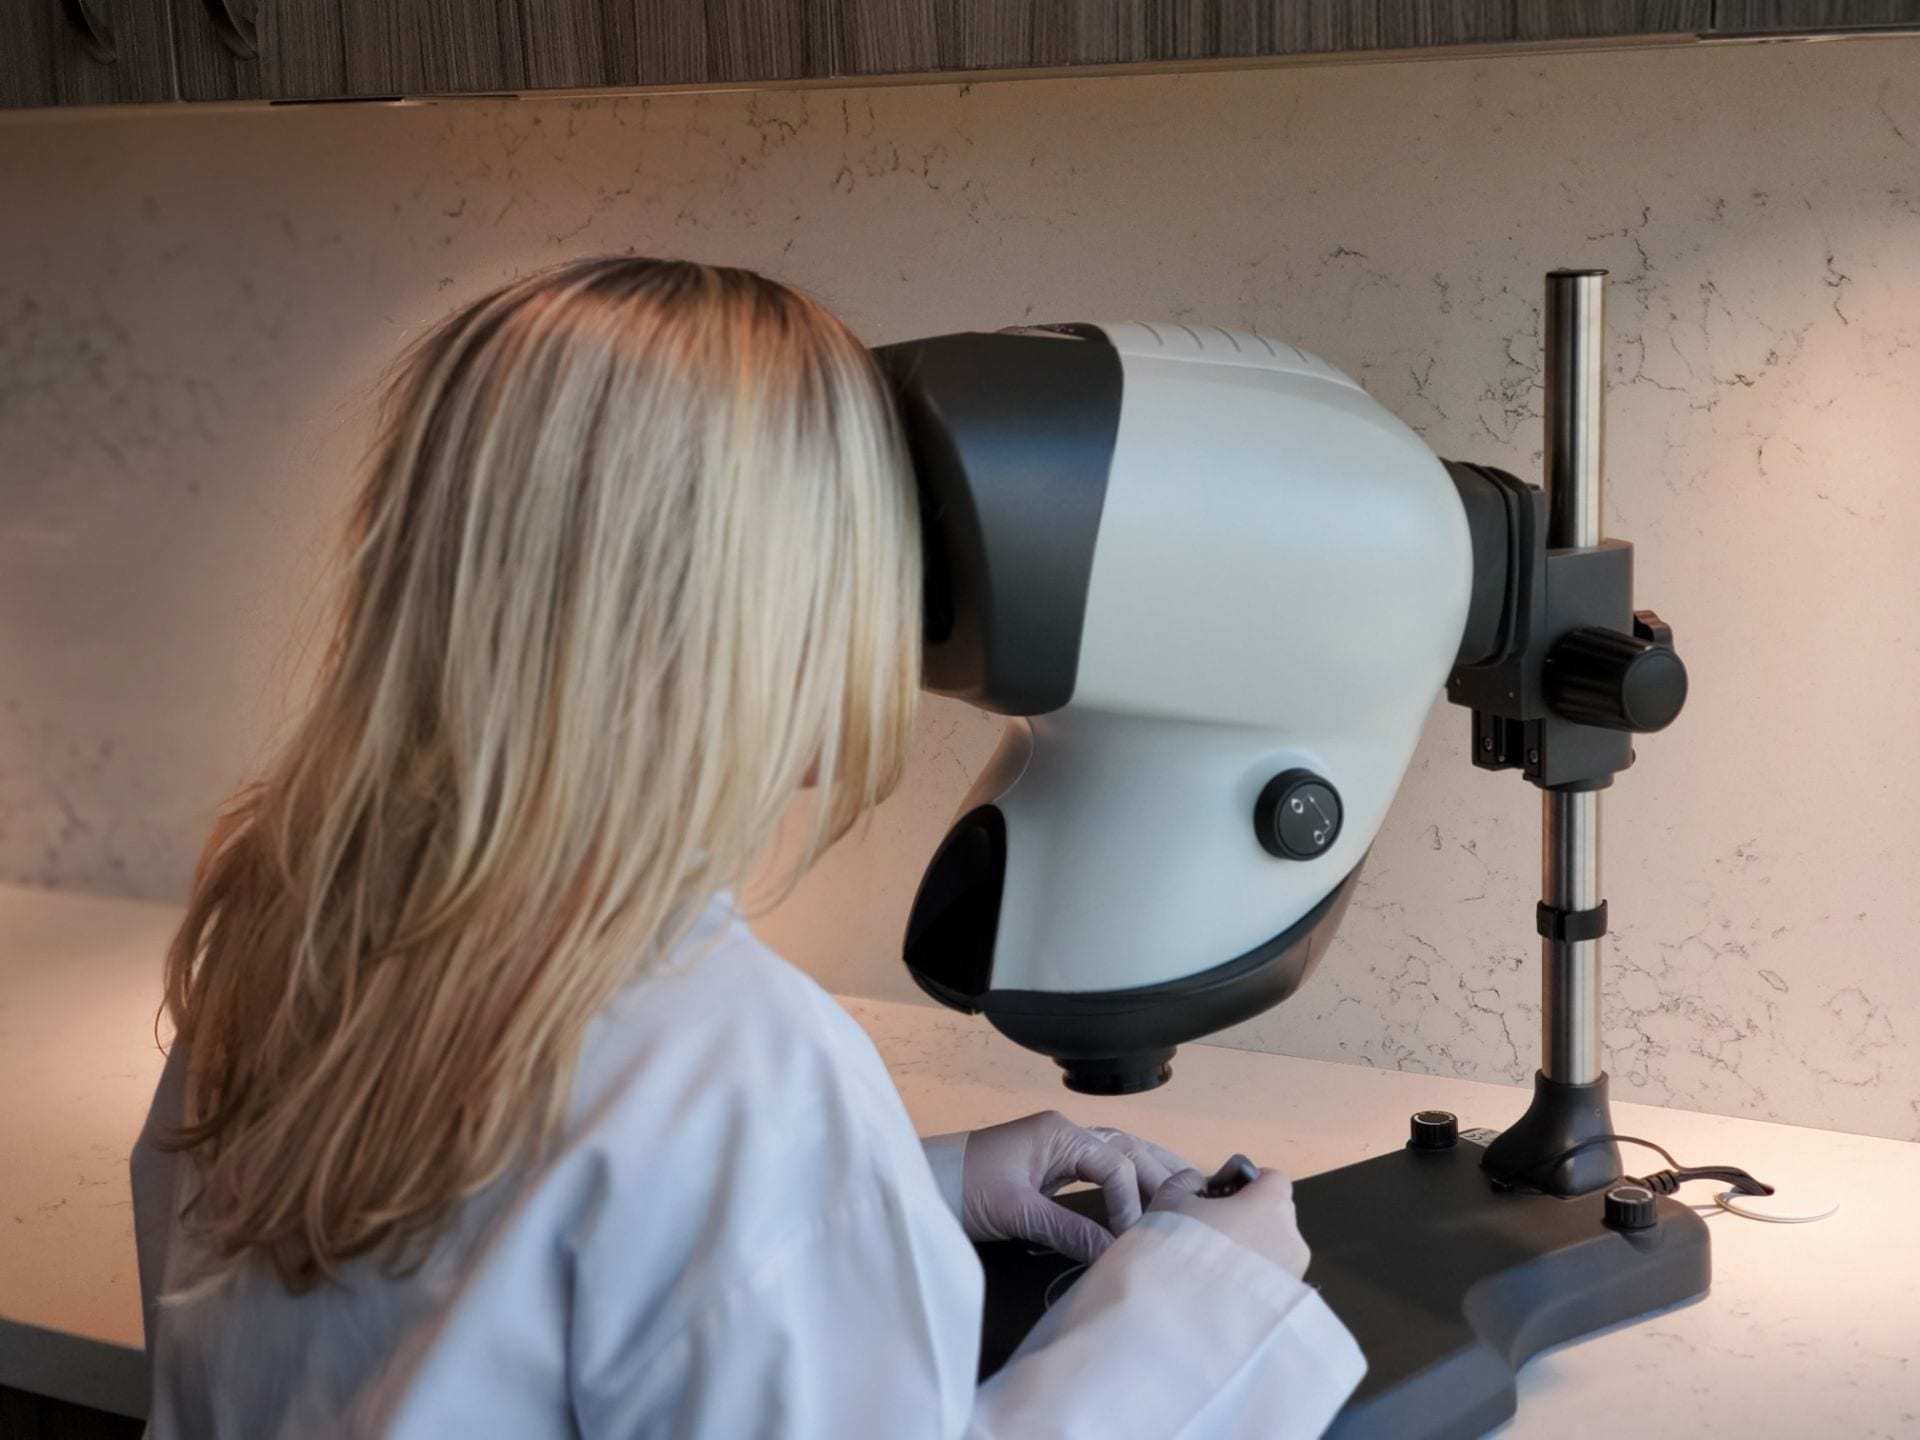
737 1236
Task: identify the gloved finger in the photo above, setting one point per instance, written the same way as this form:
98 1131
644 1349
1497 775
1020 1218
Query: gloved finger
1048 1223
1085 1156
1153 1165
1181 1185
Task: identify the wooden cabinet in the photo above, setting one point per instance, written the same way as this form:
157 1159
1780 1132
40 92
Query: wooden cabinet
747 41
84 52
881 37
602 44
613 43
1609 19
105 51
571 44
370 48
1811 16
259 49
353 49
432 47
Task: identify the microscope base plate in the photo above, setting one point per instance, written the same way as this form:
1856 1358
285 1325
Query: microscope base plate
1448 1285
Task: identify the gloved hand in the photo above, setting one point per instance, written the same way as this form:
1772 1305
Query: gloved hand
1008 1174
1259 1215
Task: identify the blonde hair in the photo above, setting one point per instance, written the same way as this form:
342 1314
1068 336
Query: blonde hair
636 558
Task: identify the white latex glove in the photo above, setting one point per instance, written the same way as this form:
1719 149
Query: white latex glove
1008 1174
1259 1215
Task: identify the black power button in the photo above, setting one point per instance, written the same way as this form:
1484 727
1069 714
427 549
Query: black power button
1297 816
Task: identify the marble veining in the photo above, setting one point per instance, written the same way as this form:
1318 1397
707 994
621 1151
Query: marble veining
194 309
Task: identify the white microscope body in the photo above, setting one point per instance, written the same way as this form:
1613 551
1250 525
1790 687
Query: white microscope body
1279 583
1276 578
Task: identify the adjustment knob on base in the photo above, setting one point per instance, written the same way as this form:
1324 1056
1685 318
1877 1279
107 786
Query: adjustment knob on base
1630 1207
1434 1130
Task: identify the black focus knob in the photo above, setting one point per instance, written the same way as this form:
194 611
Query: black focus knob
1630 1207
1434 1130
1297 816
1619 682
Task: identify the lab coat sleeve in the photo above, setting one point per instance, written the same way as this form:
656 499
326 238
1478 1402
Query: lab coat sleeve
946 1158
864 1320
1177 1331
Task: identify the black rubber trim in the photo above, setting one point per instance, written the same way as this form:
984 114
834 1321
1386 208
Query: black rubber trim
1100 1025
1554 923
1502 521
956 913
1011 437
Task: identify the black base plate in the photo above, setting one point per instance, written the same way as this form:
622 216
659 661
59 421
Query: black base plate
1448 1285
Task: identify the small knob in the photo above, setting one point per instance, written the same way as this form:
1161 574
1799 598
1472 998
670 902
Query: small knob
1434 1130
1619 682
1630 1207
1297 816
1231 1178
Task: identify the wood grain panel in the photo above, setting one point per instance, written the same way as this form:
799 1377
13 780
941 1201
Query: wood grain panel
327 49
1594 19
1207 29
665 43
564 43
1091 32
142 41
1796 15
46 60
432 47
974 34
26 55
770 40
302 53
910 36
694 42
885 37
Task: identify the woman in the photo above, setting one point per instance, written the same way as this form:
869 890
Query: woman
485 1114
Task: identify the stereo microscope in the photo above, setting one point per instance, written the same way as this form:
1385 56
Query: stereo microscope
1214 586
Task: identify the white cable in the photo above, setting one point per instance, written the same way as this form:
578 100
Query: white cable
1776 1209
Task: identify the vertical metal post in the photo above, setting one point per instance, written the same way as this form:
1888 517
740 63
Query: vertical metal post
1570 822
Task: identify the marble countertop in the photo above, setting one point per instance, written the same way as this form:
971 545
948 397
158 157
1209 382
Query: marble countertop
1809 1330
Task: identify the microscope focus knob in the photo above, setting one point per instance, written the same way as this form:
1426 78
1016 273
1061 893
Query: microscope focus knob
1595 676
1297 816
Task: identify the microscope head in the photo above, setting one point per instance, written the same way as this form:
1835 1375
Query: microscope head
1216 590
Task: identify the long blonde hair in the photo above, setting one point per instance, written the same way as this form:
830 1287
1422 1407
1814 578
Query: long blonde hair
635 559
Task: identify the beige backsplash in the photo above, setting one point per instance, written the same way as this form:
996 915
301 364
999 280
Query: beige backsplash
193 308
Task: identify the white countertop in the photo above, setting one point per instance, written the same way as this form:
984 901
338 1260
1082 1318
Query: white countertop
79 993
1811 1330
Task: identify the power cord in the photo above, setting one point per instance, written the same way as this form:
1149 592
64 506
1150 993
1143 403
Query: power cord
1661 1182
